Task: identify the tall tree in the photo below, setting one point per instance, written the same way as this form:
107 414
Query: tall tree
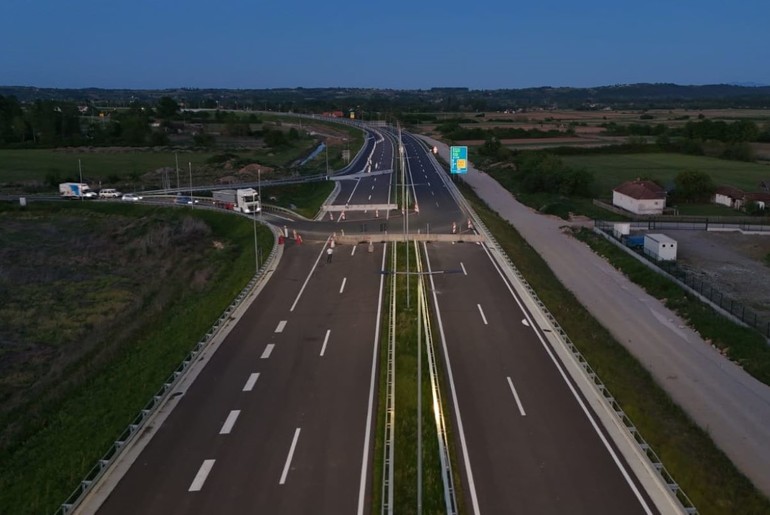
694 185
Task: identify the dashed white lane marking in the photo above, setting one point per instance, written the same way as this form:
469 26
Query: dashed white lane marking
281 326
524 321
250 382
201 476
431 192
436 204
326 340
289 457
516 396
482 314
463 267
370 197
229 422
342 287
268 350
353 252
372 186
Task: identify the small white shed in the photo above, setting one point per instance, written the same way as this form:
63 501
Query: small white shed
660 247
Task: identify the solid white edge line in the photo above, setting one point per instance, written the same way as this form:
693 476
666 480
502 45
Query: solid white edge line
201 476
575 394
482 314
281 326
250 382
463 267
289 457
268 350
315 265
227 427
326 340
372 385
342 287
516 396
450 375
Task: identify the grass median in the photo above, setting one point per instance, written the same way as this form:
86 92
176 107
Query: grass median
405 476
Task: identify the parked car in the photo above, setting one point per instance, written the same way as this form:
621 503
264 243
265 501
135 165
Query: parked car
131 197
109 193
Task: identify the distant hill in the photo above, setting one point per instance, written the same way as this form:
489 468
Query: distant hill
636 96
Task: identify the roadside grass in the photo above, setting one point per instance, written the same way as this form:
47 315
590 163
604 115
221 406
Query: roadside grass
705 473
612 170
73 423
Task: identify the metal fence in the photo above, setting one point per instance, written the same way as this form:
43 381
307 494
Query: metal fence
691 281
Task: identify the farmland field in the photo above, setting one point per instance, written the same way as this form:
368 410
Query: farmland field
22 165
611 170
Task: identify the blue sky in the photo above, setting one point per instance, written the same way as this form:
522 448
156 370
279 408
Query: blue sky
372 43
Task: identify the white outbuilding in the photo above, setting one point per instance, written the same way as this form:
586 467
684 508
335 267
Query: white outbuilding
660 247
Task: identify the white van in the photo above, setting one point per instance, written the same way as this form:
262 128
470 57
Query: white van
109 193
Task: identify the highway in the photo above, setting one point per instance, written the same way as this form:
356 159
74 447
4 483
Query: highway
280 420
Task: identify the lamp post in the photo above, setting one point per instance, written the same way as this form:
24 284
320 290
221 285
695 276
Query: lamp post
256 245
80 188
192 200
326 144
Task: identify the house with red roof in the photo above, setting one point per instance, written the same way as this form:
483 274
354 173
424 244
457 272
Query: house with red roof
640 197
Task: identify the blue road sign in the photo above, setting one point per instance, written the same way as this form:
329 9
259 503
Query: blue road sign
458 159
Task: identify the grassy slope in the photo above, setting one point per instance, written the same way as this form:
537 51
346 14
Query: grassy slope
43 462
708 477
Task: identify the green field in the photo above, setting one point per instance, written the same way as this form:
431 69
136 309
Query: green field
612 170
21 165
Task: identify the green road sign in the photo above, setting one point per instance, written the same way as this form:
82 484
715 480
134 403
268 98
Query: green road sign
458 159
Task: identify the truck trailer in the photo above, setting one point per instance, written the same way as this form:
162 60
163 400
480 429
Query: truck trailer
76 190
244 200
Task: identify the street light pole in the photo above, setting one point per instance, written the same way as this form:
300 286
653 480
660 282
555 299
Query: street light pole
256 245
80 188
192 200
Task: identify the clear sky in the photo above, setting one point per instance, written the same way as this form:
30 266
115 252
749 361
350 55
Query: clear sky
483 44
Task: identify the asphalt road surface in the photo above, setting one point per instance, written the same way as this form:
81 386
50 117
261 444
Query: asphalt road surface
292 438
279 421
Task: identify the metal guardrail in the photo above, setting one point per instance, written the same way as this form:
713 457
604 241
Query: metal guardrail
673 487
98 470
450 493
390 401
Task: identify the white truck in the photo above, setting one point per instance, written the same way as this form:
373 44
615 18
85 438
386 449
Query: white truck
244 200
76 190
